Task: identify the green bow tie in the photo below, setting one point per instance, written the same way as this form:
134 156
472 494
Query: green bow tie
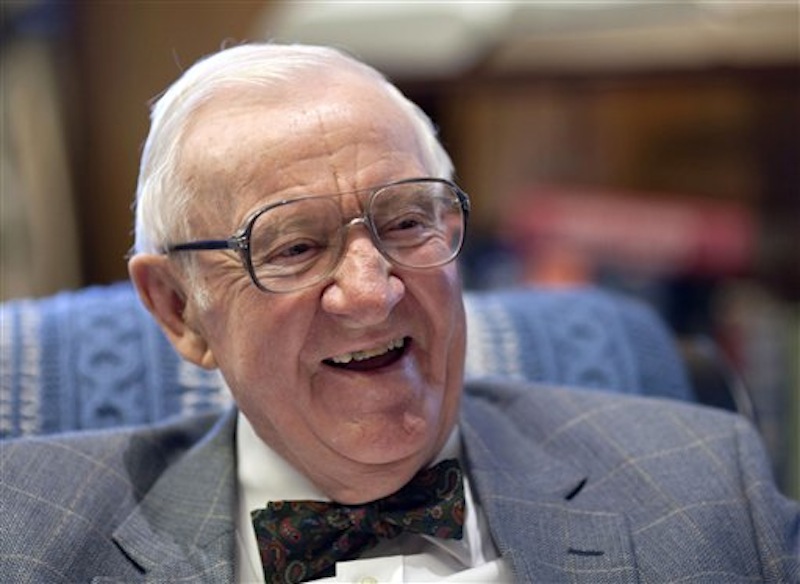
303 540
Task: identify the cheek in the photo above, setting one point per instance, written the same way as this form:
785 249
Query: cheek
457 348
439 298
261 368
257 337
457 334
443 300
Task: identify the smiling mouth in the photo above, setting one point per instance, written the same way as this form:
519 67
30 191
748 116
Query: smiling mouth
370 359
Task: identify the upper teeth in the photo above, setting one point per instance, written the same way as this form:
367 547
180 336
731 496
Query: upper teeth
368 353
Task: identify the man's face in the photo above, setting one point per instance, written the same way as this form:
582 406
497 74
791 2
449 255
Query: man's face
358 432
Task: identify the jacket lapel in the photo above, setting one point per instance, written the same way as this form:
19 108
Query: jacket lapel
184 528
533 503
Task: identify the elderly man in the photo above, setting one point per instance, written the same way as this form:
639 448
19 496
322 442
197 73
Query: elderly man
296 228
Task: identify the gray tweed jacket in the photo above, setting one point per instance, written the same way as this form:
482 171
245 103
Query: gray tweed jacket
577 487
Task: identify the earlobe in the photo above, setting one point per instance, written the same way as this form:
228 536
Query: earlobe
162 293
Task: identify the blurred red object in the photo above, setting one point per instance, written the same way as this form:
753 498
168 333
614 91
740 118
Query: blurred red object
656 234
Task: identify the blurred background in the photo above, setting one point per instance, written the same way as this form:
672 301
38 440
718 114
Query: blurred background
648 147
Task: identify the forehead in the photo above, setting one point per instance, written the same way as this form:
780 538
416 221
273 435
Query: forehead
320 135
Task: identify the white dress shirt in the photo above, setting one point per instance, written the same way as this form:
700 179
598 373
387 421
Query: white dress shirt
264 476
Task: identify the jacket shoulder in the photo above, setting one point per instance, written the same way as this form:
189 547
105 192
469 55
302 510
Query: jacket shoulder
64 495
556 415
112 451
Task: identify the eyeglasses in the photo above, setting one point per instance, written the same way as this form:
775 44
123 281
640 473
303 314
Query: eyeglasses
289 245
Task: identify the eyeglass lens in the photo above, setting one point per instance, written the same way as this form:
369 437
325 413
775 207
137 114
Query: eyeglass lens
299 243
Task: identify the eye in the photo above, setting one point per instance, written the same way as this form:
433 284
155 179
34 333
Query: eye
294 251
406 223
410 225
288 254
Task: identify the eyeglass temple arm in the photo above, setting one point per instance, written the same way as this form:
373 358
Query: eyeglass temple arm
206 244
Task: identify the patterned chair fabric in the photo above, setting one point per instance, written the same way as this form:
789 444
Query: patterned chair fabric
95 358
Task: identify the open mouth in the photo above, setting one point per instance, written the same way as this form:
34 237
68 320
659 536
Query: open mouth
370 359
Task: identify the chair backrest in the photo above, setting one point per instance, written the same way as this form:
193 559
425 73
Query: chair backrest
94 357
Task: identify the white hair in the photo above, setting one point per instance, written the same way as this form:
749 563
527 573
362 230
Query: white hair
162 200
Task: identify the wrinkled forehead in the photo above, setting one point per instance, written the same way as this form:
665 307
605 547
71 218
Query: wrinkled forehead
313 86
340 97
246 142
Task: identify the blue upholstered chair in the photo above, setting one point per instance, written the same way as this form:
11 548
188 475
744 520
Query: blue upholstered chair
94 358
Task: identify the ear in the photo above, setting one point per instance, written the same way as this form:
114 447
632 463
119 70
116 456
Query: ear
162 292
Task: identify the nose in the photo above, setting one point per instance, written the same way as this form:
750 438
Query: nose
364 291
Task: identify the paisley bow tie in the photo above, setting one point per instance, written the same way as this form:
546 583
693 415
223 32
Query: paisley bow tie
303 540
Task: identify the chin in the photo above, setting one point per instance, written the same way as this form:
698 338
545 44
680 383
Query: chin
397 447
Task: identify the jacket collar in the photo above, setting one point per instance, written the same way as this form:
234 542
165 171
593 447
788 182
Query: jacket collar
184 528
